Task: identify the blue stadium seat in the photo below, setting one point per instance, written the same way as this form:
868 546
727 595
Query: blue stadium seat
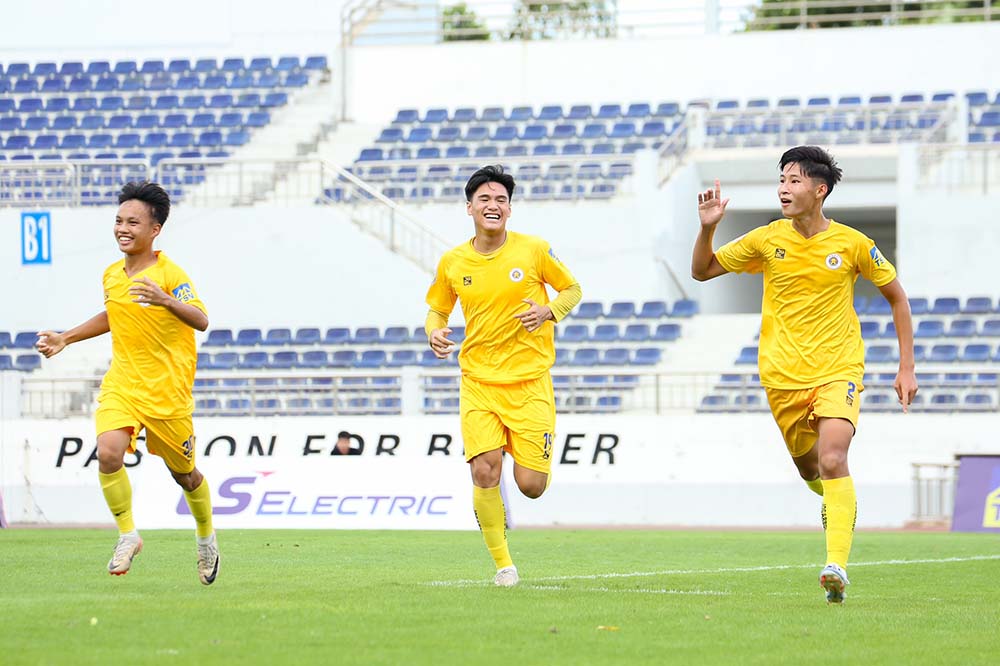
976 353
573 333
991 328
647 356
224 361
395 335
402 358
615 356
253 361
27 362
667 332
343 359
6 362
919 306
944 402
465 114
585 357
869 329
621 310
366 335
249 337
878 306
219 337
277 337
880 354
653 310
308 336
947 305
962 328
589 310
684 308
636 333
889 331
748 356
714 403
945 353
5 340
284 360
25 340
978 401
929 328
978 305
314 358
605 333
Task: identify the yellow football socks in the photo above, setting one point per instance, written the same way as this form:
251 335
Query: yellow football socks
816 485
488 505
118 494
200 502
840 505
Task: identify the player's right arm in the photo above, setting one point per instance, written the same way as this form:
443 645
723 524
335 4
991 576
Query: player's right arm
711 209
51 343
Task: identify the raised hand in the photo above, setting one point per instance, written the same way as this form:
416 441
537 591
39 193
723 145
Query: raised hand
711 206
440 344
535 316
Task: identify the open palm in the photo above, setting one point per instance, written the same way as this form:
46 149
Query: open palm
711 206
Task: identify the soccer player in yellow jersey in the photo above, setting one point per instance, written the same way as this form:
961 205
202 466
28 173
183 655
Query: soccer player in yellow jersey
151 309
506 398
811 354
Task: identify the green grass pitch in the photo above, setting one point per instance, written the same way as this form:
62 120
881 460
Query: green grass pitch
586 597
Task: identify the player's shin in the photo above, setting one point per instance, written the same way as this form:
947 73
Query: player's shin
118 494
489 508
840 506
199 501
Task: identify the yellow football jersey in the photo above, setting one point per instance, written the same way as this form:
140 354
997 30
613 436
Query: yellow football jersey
809 334
491 288
153 352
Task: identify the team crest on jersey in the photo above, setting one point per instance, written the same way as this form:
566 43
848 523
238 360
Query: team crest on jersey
876 256
466 280
834 261
553 255
516 275
184 293
779 253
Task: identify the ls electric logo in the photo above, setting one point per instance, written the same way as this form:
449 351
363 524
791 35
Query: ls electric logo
243 495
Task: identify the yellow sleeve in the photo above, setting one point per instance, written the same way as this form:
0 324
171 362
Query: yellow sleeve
742 255
872 264
179 286
565 301
441 298
555 273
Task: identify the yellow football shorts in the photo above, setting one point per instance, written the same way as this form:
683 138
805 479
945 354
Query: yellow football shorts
172 440
796 411
519 418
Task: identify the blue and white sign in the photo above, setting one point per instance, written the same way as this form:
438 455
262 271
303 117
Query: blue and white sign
36 238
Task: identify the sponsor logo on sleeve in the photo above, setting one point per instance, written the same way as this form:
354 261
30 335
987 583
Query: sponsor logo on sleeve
876 256
184 293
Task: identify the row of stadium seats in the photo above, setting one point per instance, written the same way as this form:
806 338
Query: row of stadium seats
934 328
376 383
362 405
34 126
876 380
643 110
876 401
36 107
71 68
378 358
939 353
22 362
158 83
945 305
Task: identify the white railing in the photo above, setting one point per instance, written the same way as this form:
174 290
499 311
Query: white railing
933 493
372 22
67 182
640 391
381 217
972 168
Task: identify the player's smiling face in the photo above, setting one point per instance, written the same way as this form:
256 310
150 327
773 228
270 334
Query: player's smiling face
135 227
490 208
798 194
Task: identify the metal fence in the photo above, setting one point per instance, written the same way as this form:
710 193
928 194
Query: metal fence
970 168
934 493
369 22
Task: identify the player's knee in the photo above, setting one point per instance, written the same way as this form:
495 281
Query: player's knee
832 461
532 489
485 476
109 458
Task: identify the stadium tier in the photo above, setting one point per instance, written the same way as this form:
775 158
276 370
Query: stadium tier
122 122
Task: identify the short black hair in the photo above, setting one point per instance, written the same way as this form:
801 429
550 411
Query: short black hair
814 162
489 174
150 193
343 434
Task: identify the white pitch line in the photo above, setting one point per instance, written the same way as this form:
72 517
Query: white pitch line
724 570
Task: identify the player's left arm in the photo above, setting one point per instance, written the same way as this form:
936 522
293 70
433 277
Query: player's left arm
554 273
147 291
906 380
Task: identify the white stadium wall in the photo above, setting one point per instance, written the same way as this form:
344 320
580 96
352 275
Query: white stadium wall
607 470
